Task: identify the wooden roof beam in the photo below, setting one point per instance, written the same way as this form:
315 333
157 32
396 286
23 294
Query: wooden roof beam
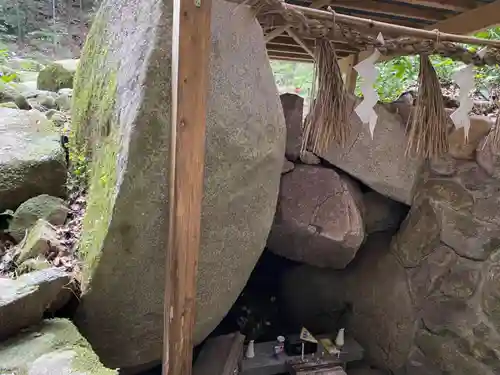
455 5
290 58
468 22
379 8
472 21
277 45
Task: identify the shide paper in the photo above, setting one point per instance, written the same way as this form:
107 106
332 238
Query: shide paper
464 78
368 73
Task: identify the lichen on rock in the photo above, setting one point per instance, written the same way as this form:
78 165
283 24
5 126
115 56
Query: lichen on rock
52 347
94 138
55 77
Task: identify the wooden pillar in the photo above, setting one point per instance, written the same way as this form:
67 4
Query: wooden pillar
349 74
191 43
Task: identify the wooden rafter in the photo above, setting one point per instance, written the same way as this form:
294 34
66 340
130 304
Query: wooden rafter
289 42
469 22
380 8
465 23
455 5
384 18
300 42
290 57
275 33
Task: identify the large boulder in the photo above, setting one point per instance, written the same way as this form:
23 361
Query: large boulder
293 109
32 161
125 227
380 162
52 347
56 76
51 209
460 148
319 219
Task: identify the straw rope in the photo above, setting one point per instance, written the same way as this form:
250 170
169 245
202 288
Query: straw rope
274 13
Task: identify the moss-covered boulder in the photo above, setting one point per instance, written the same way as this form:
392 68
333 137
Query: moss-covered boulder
32 161
24 300
121 112
52 347
54 77
51 209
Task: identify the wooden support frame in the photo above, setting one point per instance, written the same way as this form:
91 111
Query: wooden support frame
275 33
349 74
455 5
191 35
300 42
380 8
473 20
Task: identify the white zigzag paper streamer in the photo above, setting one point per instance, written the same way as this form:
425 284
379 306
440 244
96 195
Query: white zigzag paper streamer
368 73
464 78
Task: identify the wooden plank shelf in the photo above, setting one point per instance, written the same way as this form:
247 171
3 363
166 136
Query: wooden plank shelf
266 363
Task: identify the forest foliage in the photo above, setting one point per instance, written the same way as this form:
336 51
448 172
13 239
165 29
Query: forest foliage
396 76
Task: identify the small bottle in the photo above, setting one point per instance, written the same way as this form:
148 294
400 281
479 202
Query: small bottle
250 350
340 340
281 343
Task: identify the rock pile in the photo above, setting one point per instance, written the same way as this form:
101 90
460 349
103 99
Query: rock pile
324 214
423 300
37 262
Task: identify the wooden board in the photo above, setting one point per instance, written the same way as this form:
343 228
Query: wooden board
220 355
265 363
190 69
313 368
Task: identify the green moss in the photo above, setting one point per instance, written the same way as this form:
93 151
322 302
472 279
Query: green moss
55 77
86 361
94 140
51 336
94 92
102 188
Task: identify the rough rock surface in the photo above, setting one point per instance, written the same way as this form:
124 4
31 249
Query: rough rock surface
488 157
314 298
293 108
51 209
381 213
40 238
460 148
32 161
287 166
379 163
307 157
23 301
442 268
124 236
318 219
53 347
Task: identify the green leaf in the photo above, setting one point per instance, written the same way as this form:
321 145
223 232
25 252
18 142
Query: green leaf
8 78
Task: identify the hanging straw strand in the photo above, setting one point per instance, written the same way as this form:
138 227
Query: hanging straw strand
428 134
327 120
